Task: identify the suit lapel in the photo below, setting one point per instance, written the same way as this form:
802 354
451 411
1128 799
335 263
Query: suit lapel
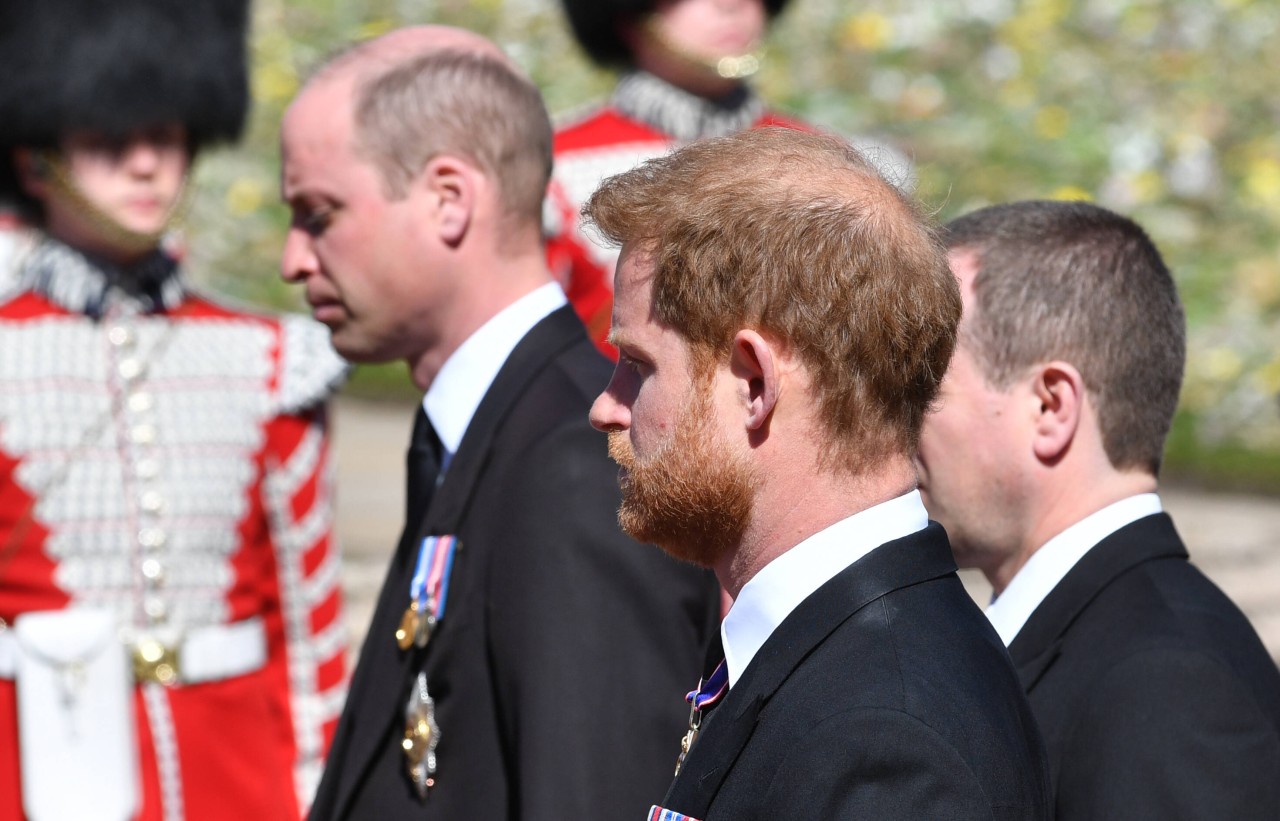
366 720
382 665
903 562
1038 643
558 331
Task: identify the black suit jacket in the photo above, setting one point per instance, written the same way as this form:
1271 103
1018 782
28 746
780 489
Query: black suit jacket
1154 694
885 694
559 667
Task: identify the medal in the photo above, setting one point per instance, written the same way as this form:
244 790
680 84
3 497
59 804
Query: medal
424 626
428 594
410 622
707 695
421 737
428 591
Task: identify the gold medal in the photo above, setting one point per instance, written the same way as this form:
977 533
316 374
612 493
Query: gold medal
407 632
421 736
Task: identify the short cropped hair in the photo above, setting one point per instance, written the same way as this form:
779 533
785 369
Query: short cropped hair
1075 282
797 236
457 102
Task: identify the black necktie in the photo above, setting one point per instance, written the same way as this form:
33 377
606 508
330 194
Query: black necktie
422 469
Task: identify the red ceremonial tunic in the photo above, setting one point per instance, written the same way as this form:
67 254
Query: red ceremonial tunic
645 118
165 458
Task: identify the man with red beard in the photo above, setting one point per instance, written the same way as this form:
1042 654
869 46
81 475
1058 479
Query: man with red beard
784 317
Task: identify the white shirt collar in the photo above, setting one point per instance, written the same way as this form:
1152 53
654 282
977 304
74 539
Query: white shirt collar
466 375
1048 565
770 596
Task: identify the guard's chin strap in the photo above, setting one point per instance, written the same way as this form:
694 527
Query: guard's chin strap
730 67
126 239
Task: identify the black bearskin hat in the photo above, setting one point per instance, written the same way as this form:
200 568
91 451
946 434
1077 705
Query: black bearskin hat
117 65
596 24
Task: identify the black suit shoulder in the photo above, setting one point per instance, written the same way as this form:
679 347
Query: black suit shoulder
908 708
1156 697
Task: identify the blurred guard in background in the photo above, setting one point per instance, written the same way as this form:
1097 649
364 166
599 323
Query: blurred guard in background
685 65
170 635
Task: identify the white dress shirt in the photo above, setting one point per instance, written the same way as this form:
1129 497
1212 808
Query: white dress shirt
469 371
1048 565
770 596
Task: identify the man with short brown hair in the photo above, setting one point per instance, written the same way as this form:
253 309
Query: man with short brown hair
783 317
1155 696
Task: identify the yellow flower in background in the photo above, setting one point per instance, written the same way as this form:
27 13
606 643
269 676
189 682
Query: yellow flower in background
1262 181
274 78
1148 185
1221 364
1267 378
1071 193
868 32
1019 93
244 196
376 27
1027 30
275 82
1051 122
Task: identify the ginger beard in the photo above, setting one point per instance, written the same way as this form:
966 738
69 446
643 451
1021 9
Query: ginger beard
692 497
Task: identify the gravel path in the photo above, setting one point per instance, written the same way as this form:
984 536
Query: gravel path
1234 539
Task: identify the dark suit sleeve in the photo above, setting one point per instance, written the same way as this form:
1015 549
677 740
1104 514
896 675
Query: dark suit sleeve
1170 733
874 763
594 639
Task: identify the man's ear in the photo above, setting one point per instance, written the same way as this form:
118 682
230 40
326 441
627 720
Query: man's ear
32 169
754 362
1059 389
451 187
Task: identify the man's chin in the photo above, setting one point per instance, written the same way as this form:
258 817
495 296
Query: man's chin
353 350
704 547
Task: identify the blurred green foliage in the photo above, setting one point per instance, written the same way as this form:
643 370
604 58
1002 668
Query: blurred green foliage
1166 110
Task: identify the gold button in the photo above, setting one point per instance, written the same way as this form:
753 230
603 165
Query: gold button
129 369
155 608
153 570
153 661
150 650
120 336
165 674
151 537
142 434
141 402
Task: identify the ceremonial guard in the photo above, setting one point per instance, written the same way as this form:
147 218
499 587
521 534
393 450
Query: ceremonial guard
171 642
685 65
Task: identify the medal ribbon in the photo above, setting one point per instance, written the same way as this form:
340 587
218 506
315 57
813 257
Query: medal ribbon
430 584
710 691
657 813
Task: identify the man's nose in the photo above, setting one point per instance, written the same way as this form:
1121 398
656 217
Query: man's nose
298 261
607 413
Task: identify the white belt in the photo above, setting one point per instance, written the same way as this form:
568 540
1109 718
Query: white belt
203 654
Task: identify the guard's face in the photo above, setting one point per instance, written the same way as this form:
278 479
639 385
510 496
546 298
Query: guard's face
684 486
361 255
711 29
97 182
